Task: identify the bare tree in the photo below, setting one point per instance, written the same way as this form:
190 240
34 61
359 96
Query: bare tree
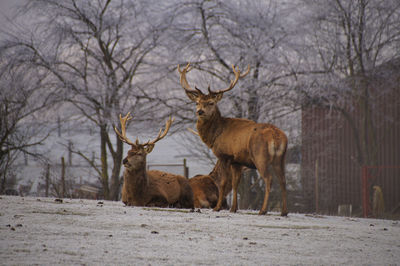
23 96
94 52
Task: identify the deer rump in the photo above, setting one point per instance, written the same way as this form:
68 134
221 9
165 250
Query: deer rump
162 190
205 192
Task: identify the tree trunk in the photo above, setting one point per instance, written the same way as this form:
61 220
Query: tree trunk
244 190
115 175
366 135
367 129
3 169
247 197
62 194
104 164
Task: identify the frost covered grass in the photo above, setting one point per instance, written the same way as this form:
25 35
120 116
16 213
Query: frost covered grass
46 231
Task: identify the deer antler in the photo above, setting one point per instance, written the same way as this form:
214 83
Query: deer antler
187 87
233 82
193 131
183 80
122 136
161 133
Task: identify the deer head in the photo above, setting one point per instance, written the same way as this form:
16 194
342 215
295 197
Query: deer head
137 154
206 103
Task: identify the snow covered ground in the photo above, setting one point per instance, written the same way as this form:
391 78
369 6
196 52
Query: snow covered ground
45 231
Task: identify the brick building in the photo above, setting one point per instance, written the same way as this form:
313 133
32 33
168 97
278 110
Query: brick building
331 167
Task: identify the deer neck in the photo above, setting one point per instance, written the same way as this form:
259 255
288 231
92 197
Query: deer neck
209 128
137 182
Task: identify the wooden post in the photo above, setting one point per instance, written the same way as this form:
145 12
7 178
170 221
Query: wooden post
316 187
47 179
185 168
62 177
365 194
70 152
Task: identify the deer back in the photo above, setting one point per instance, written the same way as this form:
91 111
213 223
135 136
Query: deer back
241 140
174 188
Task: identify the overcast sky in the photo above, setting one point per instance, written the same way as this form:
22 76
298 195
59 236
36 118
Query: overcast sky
7 7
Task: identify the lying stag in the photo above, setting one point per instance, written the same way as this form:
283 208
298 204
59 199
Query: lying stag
151 188
206 189
238 142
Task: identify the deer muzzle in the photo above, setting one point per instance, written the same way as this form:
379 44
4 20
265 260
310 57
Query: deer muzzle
200 112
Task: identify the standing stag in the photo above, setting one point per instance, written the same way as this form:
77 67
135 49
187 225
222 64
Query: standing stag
238 142
151 188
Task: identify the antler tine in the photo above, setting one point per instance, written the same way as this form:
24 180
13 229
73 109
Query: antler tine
247 72
161 133
183 80
193 131
237 76
122 136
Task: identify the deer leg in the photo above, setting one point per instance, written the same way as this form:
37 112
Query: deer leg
220 194
268 181
236 175
264 169
280 174
226 177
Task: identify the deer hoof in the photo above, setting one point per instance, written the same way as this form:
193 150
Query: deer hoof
216 209
262 212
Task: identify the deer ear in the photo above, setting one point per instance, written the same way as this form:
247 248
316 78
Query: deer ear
148 148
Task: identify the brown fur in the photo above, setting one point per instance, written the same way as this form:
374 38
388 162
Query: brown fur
216 175
239 142
205 192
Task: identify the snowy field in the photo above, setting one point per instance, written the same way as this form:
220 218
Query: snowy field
44 231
